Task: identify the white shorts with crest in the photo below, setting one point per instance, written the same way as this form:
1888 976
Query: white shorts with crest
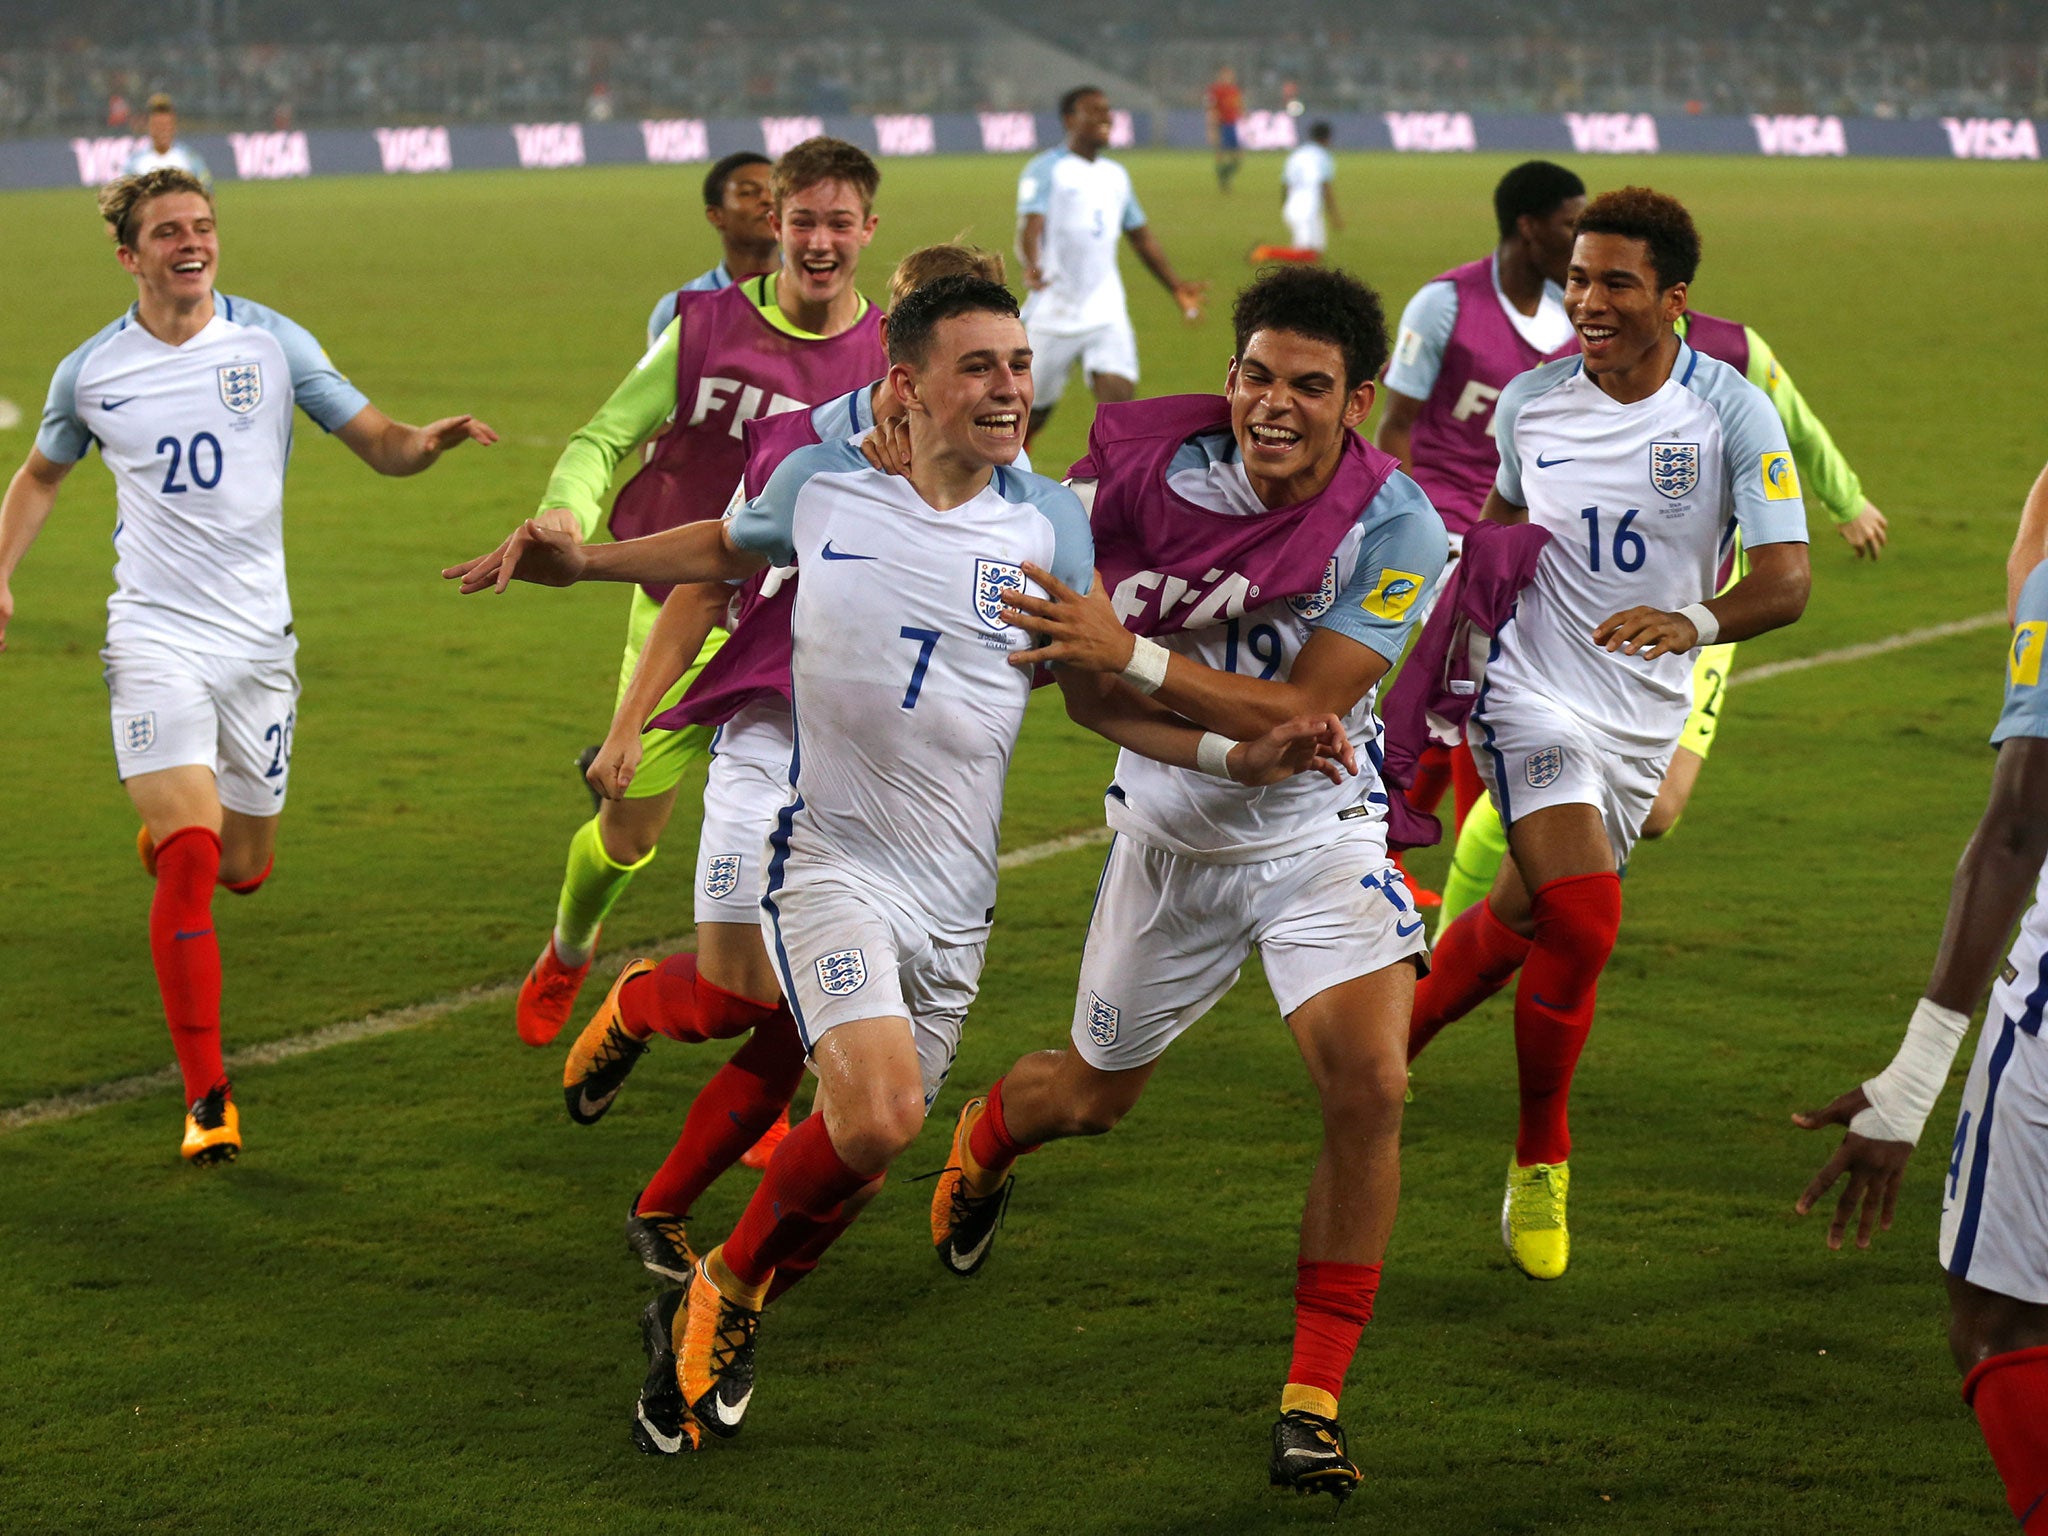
1534 754
744 791
180 709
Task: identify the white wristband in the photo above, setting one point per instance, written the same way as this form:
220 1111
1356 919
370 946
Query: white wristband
1212 754
1903 1094
1704 621
1146 669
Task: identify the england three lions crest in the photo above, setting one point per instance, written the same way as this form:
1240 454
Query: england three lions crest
241 387
1674 468
992 578
721 875
1544 768
1310 606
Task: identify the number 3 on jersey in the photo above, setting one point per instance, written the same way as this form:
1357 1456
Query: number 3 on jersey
1629 550
201 460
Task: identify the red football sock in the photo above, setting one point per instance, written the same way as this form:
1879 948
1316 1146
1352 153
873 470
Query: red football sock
1432 777
728 1116
805 1259
799 1197
2010 1394
1577 919
1473 960
673 1000
248 887
990 1143
1332 1305
187 953
1467 787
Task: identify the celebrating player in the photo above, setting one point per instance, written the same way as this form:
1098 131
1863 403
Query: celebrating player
164 151
1222 107
189 396
1272 486
1992 1240
882 884
739 202
778 342
1073 204
1642 458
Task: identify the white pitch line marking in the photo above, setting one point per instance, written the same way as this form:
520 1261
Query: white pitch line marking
393 1021
1869 648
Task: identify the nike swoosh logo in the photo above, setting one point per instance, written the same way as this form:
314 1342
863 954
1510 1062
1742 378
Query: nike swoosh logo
1295 1450
196 933
973 1256
839 554
1402 930
669 1444
1543 463
1544 1002
114 405
591 1106
732 1413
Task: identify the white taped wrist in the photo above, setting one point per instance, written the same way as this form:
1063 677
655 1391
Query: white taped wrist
1704 621
1146 669
1903 1094
1212 754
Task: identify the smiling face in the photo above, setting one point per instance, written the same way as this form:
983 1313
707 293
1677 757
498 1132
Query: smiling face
1615 305
823 229
1290 412
1088 124
973 386
746 216
175 250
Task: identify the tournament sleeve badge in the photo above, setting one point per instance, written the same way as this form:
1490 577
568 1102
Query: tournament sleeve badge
1674 469
1781 479
2023 662
241 387
1393 594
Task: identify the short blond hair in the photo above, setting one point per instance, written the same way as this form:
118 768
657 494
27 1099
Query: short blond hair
932 262
122 199
826 159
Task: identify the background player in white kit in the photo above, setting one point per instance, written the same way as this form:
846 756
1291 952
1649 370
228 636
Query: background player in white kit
882 886
165 151
1642 458
1308 192
1074 204
1994 1213
189 396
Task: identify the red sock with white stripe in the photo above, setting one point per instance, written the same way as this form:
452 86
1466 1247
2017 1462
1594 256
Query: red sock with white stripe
2010 1395
1577 921
1332 1304
187 953
1472 961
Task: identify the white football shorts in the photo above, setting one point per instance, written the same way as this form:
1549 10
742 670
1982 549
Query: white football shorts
1169 934
846 952
1534 754
744 791
1304 215
178 709
1994 1208
1111 348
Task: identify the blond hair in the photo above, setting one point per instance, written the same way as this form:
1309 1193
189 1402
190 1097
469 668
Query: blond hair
932 262
824 159
121 200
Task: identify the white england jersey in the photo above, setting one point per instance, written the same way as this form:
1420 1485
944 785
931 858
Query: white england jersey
1642 502
1376 586
2021 990
906 706
1304 174
179 157
1088 205
197 437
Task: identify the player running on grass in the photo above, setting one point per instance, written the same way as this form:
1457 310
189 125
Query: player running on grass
1266 490
881 889
739 202
1074 204
189 396
728 985
1994 1214
1643 459
775 343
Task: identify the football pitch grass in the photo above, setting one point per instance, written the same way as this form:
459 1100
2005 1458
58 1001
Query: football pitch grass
409 1307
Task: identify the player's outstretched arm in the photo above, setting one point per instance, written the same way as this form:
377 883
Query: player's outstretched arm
688 615
1771 596
2029 545
30 496
1186 293
552 557
1114 710
393 448
1885 1115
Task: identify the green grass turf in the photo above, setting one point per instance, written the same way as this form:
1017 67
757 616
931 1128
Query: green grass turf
409 1307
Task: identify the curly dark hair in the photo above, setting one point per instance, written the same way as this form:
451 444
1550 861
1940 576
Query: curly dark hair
917 315
1659 221
1320 302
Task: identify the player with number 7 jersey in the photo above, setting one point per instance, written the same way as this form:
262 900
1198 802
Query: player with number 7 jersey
189 397
1642 459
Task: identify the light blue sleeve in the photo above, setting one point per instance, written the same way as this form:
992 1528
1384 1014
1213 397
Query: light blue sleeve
707 282
1034 187
1426 326
767 524
319 388
663 312
64 437
2026 696
1400 561
1073 541
1521 389
1763 482
1134 212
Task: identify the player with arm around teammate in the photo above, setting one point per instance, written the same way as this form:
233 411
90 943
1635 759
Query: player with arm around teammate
881 885
189 396
739 202
1198 503
1642 459
1994 1215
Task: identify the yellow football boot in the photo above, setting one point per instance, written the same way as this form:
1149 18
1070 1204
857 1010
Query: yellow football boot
964 1223
213 1130
714 1350
602 1055
1532 1224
